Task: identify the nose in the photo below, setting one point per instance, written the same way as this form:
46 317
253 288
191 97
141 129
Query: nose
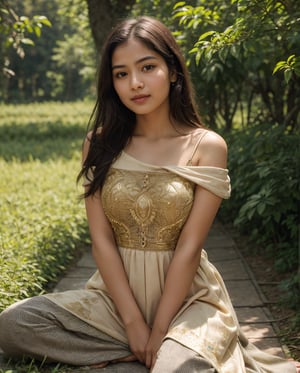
136 82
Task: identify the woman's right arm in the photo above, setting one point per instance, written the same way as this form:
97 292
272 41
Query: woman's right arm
111 268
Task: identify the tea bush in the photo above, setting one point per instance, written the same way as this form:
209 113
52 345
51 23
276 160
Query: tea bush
42 222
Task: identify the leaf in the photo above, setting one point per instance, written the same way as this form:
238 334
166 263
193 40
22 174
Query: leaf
27 41
181 14
279 66
29 28
291 59
261 208
179 4
24 19
198 57
3 10
194 50
223 53
287 75
37 31
43 20
234 51
206 34
8 72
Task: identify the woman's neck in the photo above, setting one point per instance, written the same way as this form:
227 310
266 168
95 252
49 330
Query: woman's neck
156 127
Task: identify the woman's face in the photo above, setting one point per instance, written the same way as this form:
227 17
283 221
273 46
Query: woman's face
141 78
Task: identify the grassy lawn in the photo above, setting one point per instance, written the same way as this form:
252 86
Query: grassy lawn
42 222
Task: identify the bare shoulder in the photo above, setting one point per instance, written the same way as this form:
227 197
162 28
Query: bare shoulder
86 145
214 140
212 150
87 142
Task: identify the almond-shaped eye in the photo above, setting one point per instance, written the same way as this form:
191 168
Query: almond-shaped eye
120 74
148 67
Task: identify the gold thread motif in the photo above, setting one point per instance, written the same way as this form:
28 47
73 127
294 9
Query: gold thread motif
120 228
166 233
146 210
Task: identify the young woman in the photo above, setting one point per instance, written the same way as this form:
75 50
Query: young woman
154 180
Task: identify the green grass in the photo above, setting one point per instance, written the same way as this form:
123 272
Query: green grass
42 223
47 131
32 366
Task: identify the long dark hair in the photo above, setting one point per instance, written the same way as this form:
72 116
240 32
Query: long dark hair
117 122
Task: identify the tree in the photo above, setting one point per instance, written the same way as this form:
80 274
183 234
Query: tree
62 64
103 15
14 30
243 48
74 54
161 9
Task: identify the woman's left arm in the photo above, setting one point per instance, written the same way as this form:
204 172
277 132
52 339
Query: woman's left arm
182 270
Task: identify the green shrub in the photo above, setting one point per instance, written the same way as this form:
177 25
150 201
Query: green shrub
42 222
264 169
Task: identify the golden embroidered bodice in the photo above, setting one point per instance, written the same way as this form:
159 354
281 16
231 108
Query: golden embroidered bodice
146 210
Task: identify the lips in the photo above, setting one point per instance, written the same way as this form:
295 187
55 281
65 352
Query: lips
139 99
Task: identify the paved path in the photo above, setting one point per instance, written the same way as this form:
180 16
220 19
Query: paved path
248 300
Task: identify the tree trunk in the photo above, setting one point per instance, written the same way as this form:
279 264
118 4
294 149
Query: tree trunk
103 14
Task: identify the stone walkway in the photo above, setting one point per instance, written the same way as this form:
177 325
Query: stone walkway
248 300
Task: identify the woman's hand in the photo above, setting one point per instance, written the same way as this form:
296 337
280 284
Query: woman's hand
153 346
138 333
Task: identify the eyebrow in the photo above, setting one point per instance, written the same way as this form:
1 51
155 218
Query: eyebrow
146 58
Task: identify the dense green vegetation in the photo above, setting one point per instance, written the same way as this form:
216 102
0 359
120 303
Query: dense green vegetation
55 61
264 206
42 222
243 55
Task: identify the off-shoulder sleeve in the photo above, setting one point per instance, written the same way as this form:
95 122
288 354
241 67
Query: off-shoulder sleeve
214 179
